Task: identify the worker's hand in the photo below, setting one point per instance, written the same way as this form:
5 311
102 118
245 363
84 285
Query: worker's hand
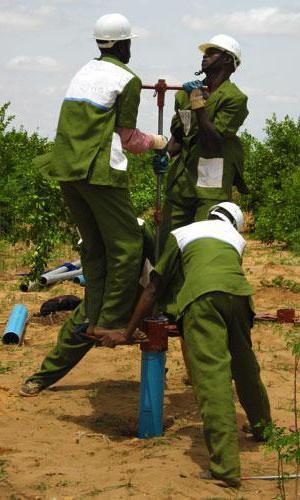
197 99
160 163
105 337
113 338
195 84
159 141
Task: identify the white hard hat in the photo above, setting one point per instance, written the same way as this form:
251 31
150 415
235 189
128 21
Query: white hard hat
226 43
112 28
228 212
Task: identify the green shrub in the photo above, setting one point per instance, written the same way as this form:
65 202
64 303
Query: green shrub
272 172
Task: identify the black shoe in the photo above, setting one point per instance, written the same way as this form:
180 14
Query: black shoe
257 434
232 482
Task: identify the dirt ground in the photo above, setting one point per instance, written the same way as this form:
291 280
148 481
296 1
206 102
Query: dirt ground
77 439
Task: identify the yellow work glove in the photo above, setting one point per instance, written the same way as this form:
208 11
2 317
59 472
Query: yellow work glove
197 100
159 141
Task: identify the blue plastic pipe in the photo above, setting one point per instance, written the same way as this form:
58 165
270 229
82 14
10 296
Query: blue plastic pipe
152 394
80 280
15 326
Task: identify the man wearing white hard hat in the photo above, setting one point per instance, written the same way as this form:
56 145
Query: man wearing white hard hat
208 114
97 120
215 314
208 155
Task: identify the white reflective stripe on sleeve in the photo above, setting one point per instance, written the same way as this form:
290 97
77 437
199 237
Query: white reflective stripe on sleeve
210 172
98 83
186 119
216 229
118 160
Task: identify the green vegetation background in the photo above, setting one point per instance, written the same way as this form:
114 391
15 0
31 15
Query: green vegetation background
32 209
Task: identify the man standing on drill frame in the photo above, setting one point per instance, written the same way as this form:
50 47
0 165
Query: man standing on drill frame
98 119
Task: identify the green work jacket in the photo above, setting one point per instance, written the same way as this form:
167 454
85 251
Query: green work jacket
102 96
212 177
210 253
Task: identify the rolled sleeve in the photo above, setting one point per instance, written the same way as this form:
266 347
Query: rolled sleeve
135 141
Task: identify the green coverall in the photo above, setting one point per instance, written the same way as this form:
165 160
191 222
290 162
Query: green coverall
214 309
196 181
89 163
71 347
195 184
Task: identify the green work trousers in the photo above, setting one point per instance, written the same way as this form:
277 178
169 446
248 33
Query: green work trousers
69 349
216 329
182 205
111 252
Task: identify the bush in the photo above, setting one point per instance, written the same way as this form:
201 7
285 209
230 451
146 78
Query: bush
32 208
272 172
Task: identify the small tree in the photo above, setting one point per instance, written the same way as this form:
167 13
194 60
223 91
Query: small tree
272 172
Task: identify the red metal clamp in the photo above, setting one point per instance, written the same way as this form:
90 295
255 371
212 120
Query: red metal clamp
281 316
157 334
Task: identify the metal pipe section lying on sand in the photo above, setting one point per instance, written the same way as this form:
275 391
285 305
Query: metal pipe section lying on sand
67 266
54 278
270 478
32 286
15 327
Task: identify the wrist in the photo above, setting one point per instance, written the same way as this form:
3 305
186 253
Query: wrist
197 103
197 99
128 334
159 142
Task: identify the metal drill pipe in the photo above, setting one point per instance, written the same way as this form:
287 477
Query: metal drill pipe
160 89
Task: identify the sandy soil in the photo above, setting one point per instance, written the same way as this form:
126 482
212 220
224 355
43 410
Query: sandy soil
77 439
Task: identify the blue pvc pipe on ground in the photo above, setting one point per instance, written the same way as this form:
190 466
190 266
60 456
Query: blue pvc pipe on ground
15 326
80 280
152 394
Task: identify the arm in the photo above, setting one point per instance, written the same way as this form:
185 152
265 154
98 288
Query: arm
110 338
134 140
209 137
231 115
145 305
160 277
174 147
127 106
